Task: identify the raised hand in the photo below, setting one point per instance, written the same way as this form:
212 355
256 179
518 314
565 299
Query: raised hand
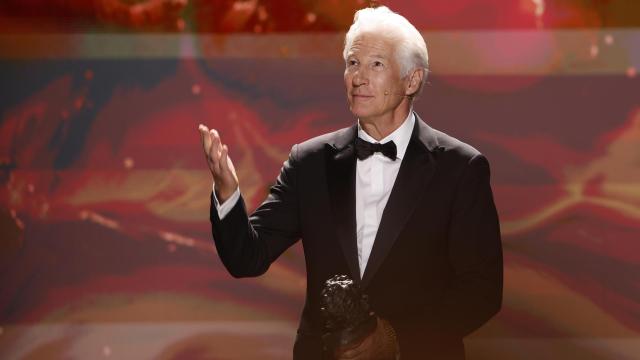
220 165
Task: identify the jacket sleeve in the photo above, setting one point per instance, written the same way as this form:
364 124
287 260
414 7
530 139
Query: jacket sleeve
248 245
474 293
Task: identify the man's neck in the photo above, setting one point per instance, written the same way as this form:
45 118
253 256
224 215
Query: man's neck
380 128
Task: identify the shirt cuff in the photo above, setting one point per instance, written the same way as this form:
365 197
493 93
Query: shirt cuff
224 208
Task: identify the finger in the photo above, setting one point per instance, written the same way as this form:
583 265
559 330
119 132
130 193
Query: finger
214 151
224 158
205 138
216 143
348 355
351 353
358 350
203 128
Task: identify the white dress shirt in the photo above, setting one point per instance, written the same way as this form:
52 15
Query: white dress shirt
375 177
226 206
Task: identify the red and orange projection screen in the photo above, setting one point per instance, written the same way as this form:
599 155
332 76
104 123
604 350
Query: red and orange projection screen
106 249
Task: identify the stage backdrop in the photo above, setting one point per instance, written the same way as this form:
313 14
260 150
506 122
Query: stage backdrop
106 250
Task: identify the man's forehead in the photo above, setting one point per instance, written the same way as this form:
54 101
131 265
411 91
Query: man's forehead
373 44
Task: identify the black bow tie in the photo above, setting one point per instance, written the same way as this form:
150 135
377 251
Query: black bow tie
364 149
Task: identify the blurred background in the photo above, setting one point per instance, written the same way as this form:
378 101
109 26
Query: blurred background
106 250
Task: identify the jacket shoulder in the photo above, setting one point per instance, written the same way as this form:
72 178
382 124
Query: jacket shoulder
318 144
455 148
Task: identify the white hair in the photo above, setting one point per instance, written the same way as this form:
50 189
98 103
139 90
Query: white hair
411 48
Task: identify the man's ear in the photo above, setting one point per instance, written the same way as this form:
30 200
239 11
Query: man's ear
415 81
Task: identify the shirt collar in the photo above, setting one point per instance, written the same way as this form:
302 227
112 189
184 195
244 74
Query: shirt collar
400 136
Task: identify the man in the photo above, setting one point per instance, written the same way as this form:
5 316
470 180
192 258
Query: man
403 209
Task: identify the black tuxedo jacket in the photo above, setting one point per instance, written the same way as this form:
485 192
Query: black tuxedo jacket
435 269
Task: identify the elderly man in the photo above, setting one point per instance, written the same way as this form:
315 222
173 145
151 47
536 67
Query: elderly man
407 211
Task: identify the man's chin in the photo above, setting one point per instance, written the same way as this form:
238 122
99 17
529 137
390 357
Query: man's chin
360 113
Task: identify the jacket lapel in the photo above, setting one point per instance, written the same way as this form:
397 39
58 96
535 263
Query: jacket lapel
417 168
341 176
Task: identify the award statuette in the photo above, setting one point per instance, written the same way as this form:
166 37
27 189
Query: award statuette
346 312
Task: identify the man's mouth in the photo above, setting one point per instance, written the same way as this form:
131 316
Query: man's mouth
361 96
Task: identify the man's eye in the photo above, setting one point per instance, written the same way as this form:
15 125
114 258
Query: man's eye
352 62
377 64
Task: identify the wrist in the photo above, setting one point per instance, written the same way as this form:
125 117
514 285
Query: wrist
223 194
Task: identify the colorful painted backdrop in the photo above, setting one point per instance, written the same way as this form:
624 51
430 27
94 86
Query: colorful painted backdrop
105 248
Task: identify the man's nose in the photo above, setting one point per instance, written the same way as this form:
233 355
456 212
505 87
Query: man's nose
360 77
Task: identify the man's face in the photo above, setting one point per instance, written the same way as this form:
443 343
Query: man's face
372 77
